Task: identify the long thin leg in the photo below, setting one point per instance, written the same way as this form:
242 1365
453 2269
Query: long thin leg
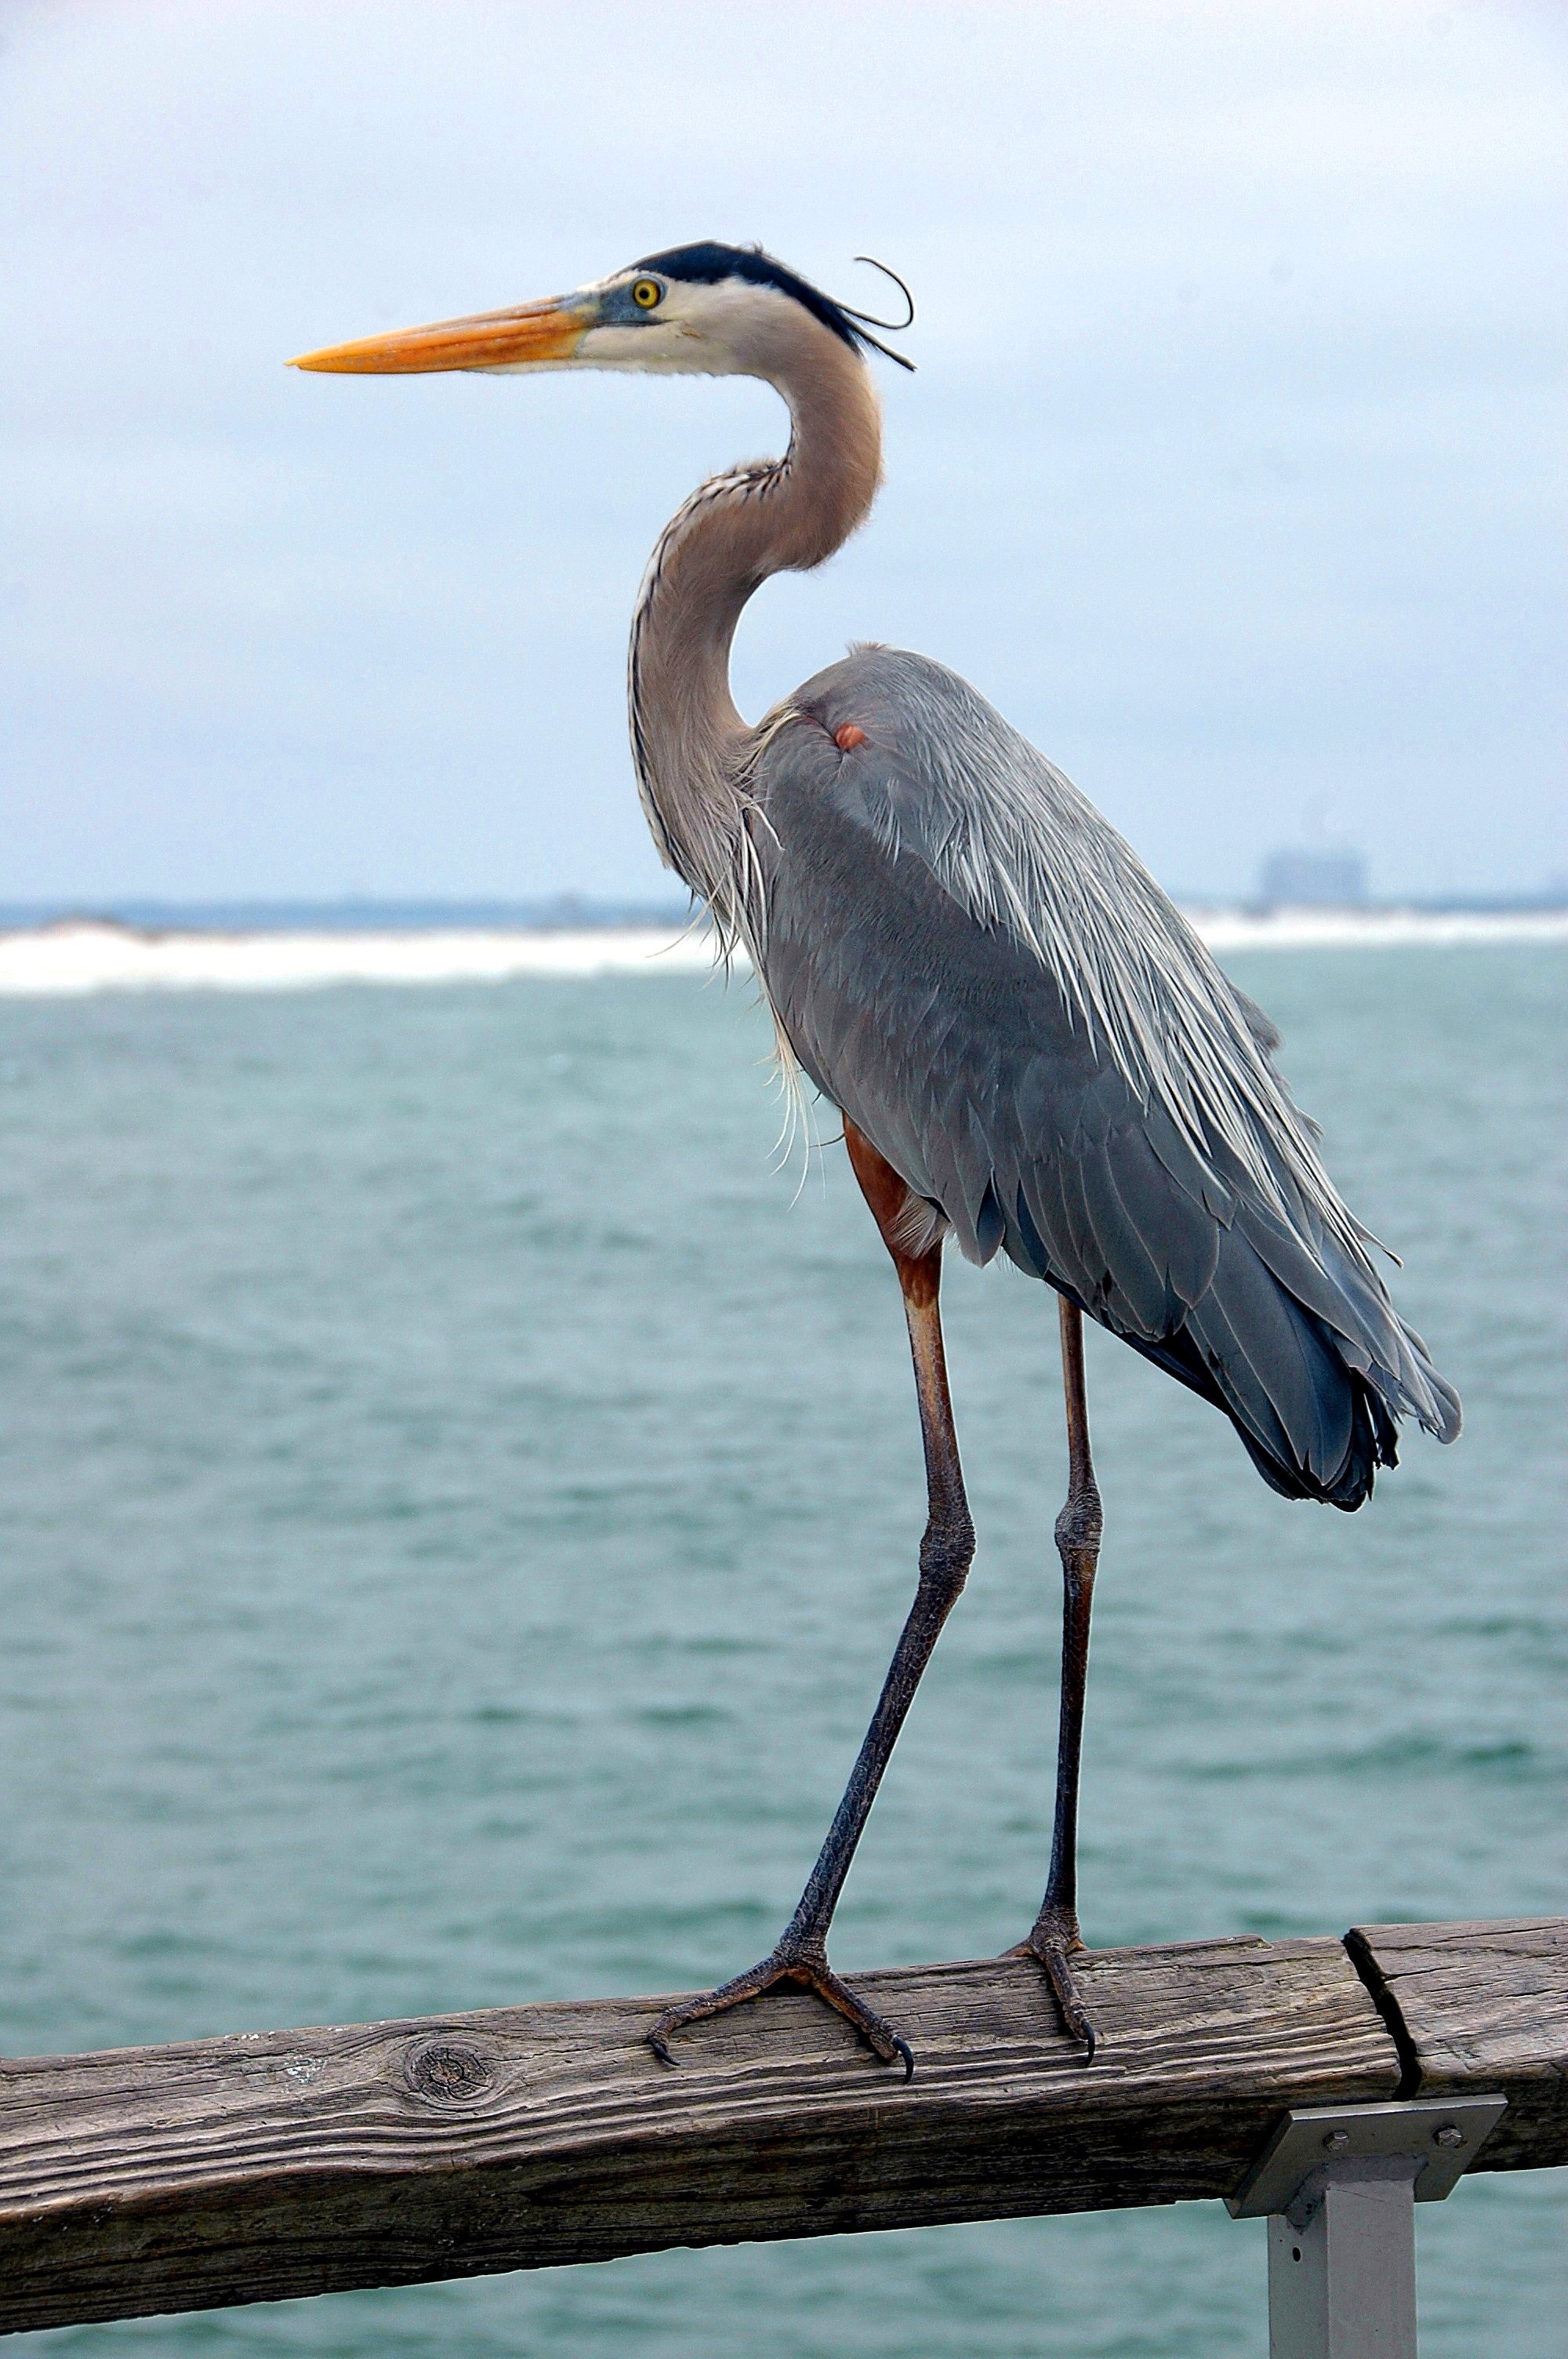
946 1552
1056 1939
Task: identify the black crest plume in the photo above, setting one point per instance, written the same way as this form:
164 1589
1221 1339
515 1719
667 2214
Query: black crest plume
710 263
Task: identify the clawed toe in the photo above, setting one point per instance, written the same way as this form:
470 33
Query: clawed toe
1063 1982
814 1975
1055 1949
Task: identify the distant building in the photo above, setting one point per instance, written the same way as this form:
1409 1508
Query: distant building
1314 880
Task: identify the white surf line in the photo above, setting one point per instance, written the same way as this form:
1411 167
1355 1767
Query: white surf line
76 957
53 960
1289 929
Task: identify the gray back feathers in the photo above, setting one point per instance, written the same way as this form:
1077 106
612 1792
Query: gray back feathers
1019 847
970 962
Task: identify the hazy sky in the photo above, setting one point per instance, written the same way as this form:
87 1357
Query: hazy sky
1227 471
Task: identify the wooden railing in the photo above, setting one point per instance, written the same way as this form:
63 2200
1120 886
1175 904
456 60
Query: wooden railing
300 2162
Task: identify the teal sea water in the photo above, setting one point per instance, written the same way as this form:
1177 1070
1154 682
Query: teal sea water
459 1498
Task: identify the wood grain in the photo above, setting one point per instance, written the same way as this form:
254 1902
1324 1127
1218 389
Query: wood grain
1481 2006
286 2163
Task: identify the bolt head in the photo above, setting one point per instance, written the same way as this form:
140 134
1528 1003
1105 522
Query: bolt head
1336 2141
1450 2135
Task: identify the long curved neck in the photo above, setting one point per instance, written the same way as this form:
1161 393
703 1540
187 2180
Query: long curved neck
690 745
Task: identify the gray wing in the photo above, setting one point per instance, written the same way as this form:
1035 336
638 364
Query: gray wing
951 1042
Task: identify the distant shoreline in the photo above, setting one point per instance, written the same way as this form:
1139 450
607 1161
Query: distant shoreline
581 913
69 957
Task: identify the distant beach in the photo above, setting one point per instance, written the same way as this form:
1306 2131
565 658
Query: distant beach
74 955
95 956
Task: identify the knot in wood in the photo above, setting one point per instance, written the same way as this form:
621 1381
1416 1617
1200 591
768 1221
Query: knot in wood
449 2072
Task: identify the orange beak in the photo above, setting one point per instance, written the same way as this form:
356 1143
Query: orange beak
539 334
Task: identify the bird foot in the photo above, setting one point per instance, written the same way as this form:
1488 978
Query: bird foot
787 1963
1054 1941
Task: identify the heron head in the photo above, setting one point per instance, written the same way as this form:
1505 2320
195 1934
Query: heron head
704 310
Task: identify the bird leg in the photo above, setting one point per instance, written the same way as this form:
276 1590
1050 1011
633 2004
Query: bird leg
1055 1938
946 1552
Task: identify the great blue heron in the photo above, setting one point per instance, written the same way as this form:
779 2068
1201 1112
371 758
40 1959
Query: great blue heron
1030 1048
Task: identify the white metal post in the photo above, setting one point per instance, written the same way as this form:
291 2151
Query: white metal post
1340 2188
1342 2287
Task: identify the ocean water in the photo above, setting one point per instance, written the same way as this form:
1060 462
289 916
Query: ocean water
461 1489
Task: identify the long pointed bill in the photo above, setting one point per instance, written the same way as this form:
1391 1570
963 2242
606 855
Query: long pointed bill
538 335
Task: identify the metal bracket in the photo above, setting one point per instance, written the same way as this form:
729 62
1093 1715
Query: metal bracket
1338 2185
1441 2135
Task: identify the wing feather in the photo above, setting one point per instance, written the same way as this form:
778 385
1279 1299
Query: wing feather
995 1091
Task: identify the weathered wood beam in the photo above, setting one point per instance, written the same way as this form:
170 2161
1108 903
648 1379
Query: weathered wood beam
1477 2008
286 2163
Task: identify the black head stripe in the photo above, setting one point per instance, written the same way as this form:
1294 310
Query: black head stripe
710 264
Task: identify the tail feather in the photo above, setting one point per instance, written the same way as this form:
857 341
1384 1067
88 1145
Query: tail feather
1372 1436
1308 1386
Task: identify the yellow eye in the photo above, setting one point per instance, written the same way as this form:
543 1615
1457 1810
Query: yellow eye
647 293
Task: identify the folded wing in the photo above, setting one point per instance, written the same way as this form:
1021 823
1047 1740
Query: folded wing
1078 1121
